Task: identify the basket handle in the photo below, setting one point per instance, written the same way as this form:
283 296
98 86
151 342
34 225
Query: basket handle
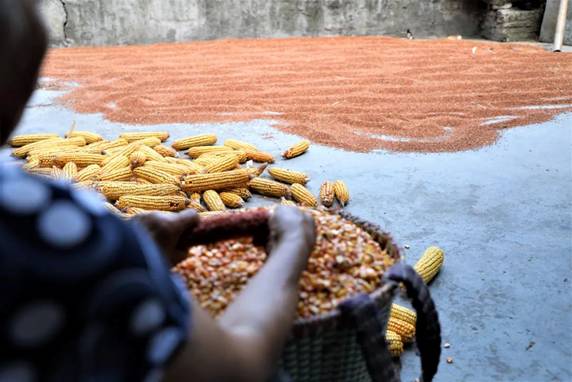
428 329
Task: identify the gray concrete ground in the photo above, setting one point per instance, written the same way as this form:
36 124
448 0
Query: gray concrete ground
503 214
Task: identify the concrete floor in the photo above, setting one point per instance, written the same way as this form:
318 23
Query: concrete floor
503 214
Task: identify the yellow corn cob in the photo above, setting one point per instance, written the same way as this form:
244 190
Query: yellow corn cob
57 173
404 314
138 136
114 190
137 159
120 142
70 171
430 263
184 162
303 196
405 330
21 152
342 192
224 163
152 154
242 192
296 150
117 163
231 200
327 194
196 197
23 140
170 168
165 151
288 176
32 163
286 202
205 160
79 158
197 206
216 181
88 135
394 343
122 173
197 151
161 203
90 172
213 201
239 145
260 156
269 187
155 175
125 151
194 141
149 142
239 154
48 156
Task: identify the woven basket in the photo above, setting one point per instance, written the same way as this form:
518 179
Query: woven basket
325 348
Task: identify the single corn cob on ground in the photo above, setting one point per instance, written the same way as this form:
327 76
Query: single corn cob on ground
170 168
260 156
240 154
288 176
231 200
405 330
23 140
213 201
154 175
342 192
70 171
116 164
394 343
59 143
297 150
87 135
269 187
430 263
195 152
327 194
123 173
136 136
242 192
240 145
160 203
115 190
221 164
194 141
79 158
217 181
152 154
90 172
137 159
303 196
404 314
165 151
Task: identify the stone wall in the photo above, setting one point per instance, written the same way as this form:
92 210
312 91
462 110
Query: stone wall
96 22
549 22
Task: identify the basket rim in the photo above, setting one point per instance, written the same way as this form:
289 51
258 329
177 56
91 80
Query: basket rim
332 317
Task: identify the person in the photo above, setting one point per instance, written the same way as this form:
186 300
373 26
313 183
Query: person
87 296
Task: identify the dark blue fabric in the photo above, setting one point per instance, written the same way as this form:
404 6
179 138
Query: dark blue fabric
115 311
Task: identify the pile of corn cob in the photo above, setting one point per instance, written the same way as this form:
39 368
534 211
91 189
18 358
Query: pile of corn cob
138 173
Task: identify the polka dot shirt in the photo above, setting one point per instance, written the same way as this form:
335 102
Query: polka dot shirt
83 295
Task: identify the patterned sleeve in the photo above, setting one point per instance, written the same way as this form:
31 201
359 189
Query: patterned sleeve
83 295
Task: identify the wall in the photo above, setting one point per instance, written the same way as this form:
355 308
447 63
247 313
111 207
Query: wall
94 22
549 22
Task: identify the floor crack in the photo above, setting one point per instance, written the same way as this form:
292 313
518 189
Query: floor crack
64 5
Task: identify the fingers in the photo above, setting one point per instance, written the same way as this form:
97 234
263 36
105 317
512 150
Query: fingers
292 224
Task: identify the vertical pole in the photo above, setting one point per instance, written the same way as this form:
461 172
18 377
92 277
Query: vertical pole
560 26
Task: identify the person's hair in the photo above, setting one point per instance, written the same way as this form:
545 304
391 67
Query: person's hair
23 43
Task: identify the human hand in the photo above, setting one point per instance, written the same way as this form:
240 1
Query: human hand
291 226
167 229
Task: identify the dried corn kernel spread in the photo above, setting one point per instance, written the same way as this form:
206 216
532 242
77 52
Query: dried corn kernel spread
345 261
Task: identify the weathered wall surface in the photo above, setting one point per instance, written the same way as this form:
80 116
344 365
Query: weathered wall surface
549 22
94 22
